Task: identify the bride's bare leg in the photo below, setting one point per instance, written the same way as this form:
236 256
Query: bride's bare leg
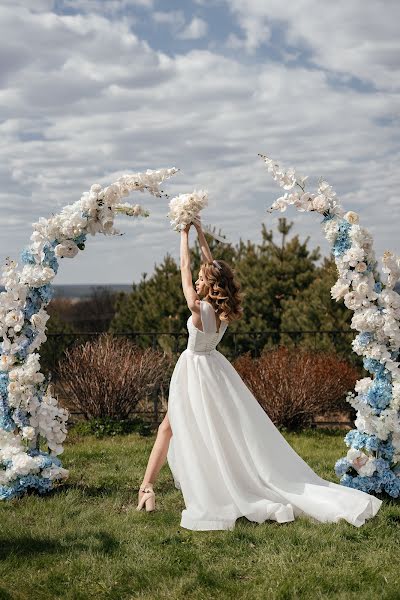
159 452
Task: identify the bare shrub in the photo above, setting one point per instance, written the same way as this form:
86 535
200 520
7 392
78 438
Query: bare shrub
109 376
295 385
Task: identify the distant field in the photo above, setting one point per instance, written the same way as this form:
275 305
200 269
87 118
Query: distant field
80 291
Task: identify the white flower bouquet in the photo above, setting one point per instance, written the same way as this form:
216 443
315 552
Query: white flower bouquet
185 209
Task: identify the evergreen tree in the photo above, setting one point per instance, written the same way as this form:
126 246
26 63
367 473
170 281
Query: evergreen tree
312 309
155 305
270 273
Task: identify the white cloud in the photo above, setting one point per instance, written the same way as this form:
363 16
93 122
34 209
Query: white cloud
358 38
33 5
256 33
174 18
106 6
85 100
197 28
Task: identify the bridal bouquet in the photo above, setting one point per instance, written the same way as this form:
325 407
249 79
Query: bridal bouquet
28 410
185 209
373 460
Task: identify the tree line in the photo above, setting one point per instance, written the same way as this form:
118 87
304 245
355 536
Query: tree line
285 290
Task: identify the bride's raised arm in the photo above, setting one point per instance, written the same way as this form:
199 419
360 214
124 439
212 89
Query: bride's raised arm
192 298
206 255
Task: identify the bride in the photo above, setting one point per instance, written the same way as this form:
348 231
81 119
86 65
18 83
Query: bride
225 454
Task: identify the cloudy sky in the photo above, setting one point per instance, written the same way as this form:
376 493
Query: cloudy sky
93 89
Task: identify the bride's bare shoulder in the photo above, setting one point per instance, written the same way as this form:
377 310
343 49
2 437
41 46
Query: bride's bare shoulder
196 316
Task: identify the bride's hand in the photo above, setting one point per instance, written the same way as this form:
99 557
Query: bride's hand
197 223
186 229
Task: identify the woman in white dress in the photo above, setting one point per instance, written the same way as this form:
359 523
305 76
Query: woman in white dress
225 454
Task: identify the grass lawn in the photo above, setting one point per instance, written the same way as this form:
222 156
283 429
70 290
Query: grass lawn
86 540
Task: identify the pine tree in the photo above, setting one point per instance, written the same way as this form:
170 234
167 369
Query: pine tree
154 305
270 273
312 309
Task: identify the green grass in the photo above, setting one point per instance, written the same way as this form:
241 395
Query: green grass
86 540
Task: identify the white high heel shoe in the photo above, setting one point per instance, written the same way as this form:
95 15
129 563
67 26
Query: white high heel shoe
148 499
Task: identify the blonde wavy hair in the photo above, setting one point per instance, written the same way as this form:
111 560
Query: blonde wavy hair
222 290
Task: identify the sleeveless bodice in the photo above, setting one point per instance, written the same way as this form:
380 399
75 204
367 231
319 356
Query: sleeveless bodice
209 338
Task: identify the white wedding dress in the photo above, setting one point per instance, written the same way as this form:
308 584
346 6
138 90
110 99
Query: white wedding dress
228 458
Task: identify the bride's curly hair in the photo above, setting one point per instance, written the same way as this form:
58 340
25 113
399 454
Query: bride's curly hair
222 290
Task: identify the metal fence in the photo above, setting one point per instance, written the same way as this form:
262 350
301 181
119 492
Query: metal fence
232 345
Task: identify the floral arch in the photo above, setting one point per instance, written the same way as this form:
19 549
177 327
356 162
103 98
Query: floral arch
28 412
372 463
